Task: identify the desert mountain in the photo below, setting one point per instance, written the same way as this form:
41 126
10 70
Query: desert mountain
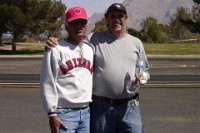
138 10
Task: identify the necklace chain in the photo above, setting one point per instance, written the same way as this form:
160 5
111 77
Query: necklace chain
81 51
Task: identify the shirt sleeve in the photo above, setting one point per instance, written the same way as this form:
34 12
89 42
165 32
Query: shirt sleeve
48 91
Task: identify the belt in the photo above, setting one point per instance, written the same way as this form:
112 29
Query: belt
115 101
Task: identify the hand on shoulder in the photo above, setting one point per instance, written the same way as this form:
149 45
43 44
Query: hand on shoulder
51 42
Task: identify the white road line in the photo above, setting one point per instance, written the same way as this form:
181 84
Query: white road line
156 84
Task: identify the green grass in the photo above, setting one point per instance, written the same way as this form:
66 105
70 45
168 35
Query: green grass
23 49
172 49
150 48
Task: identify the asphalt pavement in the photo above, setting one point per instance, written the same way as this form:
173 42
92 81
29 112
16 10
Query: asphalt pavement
170 102
166 110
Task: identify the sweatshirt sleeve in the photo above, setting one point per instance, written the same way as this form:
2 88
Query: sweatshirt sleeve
48 91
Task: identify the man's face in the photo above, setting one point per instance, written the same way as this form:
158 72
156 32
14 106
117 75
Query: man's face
116 21
77 28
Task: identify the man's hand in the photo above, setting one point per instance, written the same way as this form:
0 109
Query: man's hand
144 77
51 42
137 78
55 124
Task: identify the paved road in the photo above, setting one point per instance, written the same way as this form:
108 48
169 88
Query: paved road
164 70
165 108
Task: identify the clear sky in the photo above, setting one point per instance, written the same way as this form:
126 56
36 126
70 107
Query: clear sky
92 6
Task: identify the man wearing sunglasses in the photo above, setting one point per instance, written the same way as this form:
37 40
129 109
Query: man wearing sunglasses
115 106
66 77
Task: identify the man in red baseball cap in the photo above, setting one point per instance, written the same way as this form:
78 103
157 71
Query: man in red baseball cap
76 23
66 77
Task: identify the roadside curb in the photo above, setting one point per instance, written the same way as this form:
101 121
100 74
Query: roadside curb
19 56
148 56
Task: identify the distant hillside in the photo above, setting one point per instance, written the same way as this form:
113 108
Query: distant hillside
138 10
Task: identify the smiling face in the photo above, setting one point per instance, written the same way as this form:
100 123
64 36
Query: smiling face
116 21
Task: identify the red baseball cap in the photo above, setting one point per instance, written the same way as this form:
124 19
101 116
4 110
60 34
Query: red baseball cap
76 12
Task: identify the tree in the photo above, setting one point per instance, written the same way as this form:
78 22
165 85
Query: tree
177 29
193 23
29 16
3 22
197 1
47 18
133 32
100 26
152 31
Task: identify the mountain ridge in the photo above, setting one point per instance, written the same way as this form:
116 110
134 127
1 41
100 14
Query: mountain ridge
138 10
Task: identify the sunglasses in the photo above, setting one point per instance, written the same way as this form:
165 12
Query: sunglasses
78 22
114 16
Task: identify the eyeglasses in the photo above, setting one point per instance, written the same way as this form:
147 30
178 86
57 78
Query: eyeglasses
78 22
115 16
